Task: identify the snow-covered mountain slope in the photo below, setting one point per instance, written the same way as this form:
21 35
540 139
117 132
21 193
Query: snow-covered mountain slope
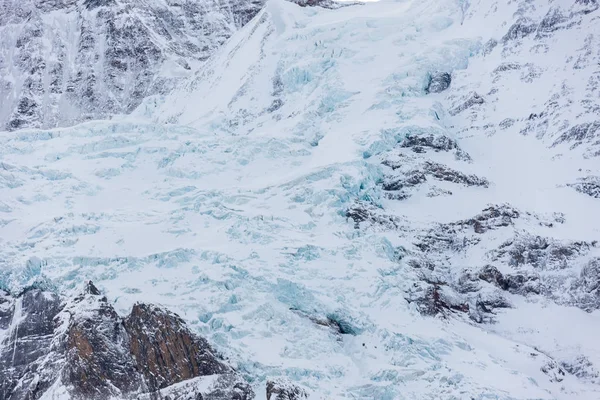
375 202
67 61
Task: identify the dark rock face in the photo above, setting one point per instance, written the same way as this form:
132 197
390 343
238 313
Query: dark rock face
582 368
589 286
400 179
165 351
6 310
24 367
318 3
97 363
438 82
493 217
91 4
457 236
435 298
85 346
521 28
553 21
472 99
438 297
579 134
589 185
514 283
554 371
533 265
590 276
435 142
280 389
542 253
444 173
361 212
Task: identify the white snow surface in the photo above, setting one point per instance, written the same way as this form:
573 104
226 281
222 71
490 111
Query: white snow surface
225 201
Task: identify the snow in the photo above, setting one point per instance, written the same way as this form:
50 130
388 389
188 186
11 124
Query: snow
231 212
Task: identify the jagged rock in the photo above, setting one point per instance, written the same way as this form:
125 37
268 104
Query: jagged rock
444 237
551 22
421 263
489 46
522 283
438 82
514 283
83 345
362 212
590 276
586 290
554 371
582 368
468 282
419 144
433 298
455 236
435 142
280 389
444 173
318 3
98 362
589 185
490 274
469 101
6 310
507 66
540 252
523 27
578 134
486 306
150 329
492 217
25 359
399 181
410 179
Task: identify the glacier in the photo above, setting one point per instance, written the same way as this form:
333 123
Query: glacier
305 202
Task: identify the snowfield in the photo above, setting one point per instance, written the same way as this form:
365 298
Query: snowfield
316 209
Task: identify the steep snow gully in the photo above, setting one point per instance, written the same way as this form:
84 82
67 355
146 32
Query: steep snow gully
388 200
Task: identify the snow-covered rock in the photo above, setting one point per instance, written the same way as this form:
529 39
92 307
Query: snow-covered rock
80 348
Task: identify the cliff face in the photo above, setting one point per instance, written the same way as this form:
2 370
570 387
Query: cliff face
65 61
82 348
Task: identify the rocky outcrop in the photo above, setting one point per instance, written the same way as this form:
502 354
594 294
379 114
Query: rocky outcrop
589 185
165 351
470 100
588 286
83 347
436 142
438 82
540 252
318 3
400 180
281 389
434 298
